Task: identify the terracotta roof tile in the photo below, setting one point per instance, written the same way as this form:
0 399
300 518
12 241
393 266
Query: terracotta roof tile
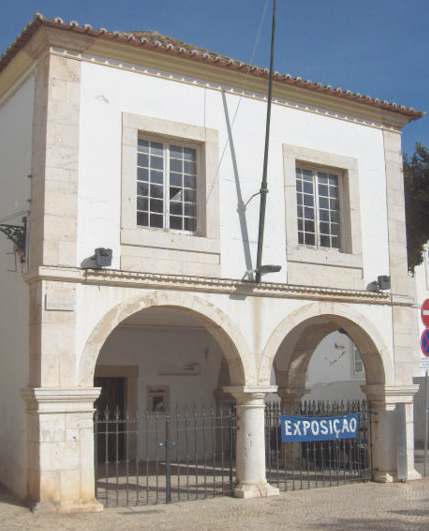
162 43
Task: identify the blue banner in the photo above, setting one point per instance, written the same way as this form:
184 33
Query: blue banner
297 429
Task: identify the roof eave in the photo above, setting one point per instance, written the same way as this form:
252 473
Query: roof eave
206 58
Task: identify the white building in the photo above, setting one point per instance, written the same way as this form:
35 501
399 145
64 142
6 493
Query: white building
91 116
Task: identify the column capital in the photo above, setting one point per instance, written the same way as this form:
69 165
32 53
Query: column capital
56 400
292 393
245 394
388 396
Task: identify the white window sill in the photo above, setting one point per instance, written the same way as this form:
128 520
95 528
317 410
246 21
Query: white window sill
182 241
321 256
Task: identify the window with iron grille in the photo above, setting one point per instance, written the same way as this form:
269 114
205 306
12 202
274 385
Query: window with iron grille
166 186
318 207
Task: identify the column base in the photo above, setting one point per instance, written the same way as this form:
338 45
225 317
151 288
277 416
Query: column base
51 507
413 475
383 477
261 489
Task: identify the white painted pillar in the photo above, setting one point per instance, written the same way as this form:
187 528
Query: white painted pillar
61 449
392 429
405 446
250 453
383 439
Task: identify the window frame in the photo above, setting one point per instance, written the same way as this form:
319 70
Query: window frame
349 256
207 238
199 228
316 169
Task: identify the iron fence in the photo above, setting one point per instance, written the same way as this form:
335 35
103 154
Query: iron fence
161 458
305 465
190 454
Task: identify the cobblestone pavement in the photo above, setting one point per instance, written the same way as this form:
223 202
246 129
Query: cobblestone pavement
353 507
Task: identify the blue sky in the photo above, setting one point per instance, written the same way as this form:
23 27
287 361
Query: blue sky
377 47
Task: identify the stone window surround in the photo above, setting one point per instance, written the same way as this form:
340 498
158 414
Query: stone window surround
206 140
350 254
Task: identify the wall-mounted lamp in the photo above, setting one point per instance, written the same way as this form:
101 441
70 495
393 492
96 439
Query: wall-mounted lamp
269 268
101 258
383 283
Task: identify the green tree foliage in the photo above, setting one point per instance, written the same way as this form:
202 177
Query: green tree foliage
416 182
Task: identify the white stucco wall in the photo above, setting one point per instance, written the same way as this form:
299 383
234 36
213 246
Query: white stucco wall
159 350
16 116
330 374
106 93
156 351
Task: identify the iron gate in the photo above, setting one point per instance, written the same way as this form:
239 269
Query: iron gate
305 465
162 458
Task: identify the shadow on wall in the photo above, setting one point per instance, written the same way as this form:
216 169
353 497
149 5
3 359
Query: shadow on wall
241 206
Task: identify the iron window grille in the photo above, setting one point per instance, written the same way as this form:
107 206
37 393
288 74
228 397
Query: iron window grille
166 186
318 208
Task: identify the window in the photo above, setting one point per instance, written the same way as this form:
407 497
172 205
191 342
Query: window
323 189
169 197
166 186
318 208
358 369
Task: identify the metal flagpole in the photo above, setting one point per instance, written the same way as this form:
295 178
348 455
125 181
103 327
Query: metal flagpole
264 189
426 420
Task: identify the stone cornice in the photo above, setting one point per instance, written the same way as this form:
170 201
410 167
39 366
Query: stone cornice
233 287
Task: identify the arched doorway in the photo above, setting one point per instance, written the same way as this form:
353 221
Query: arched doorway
291 349
336 371
296 350
164 430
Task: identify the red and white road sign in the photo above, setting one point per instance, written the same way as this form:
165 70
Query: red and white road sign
425 313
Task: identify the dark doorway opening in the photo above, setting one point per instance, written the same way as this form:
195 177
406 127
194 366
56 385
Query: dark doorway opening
111 404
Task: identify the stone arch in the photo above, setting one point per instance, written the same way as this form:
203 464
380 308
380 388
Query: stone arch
317 320
233 344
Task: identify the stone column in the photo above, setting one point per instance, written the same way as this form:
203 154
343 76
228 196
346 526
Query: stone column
392 432
290 399
405 436
383 451
61 449
250 454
